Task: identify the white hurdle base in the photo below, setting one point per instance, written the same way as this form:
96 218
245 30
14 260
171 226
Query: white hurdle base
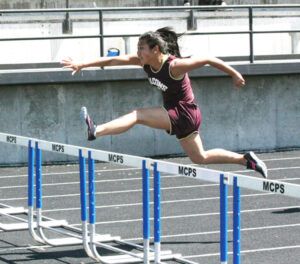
77 241
13 210
9 211
25 226
122 259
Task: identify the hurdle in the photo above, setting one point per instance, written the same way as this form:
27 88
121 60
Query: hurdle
237 181
11 212
262 185
73 238
89 239
87 234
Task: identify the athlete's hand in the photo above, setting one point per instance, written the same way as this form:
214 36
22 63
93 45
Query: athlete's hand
238 80
69 63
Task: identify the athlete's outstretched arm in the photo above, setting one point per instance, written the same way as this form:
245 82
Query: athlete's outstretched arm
101 62
181 66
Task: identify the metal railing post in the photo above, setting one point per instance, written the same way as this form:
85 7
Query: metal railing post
101 40
251 58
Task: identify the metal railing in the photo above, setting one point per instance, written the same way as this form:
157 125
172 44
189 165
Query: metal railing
192 9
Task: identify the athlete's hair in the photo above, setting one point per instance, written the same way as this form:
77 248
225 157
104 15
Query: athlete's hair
171 38
165 38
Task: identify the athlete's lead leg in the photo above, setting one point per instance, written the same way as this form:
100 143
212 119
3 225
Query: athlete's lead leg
155 117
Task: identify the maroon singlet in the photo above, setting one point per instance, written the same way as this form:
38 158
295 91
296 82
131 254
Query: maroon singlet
178 99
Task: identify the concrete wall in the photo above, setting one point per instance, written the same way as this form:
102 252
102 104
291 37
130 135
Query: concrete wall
46 103
264 115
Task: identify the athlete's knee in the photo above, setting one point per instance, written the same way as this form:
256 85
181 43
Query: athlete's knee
139 115
200 158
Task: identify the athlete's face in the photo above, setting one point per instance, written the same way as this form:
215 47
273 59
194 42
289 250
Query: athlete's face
145 53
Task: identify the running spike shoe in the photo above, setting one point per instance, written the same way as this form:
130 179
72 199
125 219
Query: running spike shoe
254 163
91 127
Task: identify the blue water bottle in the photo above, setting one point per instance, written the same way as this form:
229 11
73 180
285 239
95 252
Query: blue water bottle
113 52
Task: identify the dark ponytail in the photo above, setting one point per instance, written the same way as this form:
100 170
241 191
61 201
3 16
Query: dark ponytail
165 38
171 38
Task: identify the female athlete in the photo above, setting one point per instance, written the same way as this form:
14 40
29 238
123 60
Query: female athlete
158 53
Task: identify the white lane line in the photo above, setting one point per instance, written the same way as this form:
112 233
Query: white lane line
109 192
216 232
163 202
123 191
139 179
42 248
269 249
192 215
24 248
55 184
66 173
136 169
269 169
244 251
279 159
